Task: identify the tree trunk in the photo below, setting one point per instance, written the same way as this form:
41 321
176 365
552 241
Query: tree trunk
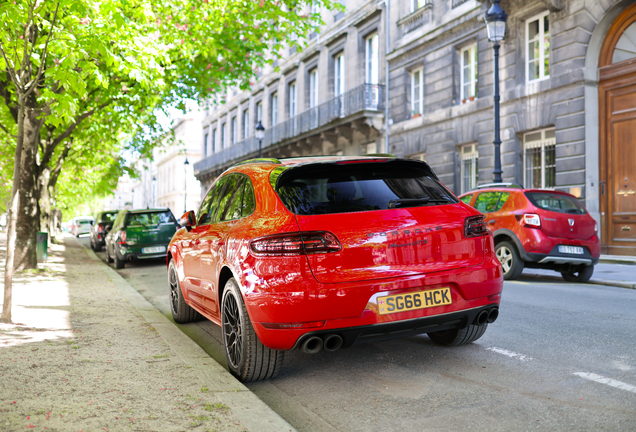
28 212
13 216
46 208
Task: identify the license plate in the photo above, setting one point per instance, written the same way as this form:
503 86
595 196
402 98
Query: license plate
413 301
571 249
154 249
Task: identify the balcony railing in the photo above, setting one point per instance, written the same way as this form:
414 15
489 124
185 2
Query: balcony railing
366 97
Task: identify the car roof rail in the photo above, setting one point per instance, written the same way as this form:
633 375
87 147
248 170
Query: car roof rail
504 185
259 160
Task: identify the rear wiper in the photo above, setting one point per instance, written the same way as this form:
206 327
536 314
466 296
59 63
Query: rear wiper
415 201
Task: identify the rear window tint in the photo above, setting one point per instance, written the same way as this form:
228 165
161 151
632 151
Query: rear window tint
150 219
108 217
84 222
556 202
332 188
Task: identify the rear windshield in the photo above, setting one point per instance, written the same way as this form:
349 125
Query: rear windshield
332 188
84 222
108 217
150 219
556 202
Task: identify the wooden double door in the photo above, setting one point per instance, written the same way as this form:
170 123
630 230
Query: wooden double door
617 126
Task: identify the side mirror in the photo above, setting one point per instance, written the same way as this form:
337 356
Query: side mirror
188 220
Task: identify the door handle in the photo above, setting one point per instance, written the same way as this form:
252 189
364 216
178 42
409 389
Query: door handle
602 187
491 222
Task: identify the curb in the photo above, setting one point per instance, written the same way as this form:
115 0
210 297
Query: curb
605 282
245 405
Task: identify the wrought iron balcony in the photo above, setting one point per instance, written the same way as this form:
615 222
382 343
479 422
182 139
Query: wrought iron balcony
366 97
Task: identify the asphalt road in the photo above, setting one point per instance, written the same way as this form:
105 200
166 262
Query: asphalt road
561 356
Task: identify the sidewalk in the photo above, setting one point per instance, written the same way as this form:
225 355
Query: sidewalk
86 352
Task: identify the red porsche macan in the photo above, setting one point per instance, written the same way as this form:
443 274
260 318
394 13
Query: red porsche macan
325 252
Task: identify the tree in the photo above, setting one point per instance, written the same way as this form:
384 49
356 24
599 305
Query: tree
70 64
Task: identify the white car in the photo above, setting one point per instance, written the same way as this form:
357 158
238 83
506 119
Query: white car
81 225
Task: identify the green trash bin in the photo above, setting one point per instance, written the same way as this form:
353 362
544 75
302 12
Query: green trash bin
42 246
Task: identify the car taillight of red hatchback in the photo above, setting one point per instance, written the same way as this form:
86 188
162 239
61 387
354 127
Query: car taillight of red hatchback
538 228
327 252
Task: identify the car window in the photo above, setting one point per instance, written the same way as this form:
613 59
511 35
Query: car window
209 205
150 219
108 217
502 200
118 221
231 201
556 202
340 188
466 199
486 202
249 200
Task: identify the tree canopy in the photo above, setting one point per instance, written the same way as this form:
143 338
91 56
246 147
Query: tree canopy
97 71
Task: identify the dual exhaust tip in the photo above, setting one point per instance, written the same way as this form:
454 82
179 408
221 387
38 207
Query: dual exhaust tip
487 316
314 344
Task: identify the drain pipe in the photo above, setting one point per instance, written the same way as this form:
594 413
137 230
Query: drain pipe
387 7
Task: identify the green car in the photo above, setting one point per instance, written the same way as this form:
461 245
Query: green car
140 234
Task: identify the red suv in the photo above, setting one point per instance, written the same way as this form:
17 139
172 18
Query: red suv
321 253
538 228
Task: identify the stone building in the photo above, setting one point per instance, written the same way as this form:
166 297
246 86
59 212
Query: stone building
568 98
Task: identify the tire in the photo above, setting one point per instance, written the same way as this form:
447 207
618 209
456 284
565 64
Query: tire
181 312
109 259
92 244
247 358
119 264
582 274
510 261
458 336
97 247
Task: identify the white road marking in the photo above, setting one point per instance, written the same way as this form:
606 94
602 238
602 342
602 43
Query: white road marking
608 381
509 353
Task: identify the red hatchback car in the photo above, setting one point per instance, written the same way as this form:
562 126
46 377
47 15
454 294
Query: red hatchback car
538 228
321 253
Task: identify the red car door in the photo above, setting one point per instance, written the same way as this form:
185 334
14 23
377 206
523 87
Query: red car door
213 242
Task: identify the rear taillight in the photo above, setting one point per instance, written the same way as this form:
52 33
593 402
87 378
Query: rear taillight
532 219
122 237
475 226
296 243
100 228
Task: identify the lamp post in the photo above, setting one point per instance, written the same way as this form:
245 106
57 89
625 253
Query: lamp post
496 24
260 134
185 185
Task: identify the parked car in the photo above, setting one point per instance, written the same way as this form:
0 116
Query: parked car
538 228
139 235
103 223
81 225
313 253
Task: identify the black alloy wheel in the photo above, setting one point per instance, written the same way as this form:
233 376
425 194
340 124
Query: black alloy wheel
247 358
181 312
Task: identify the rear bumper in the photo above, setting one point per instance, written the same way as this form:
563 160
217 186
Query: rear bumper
556 258
351 309
135 253
380 332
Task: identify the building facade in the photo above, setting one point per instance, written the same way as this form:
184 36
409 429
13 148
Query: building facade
568 99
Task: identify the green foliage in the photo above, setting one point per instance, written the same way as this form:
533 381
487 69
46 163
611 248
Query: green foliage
106 68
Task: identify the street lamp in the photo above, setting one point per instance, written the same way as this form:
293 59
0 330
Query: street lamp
496 24
185 185
260 134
